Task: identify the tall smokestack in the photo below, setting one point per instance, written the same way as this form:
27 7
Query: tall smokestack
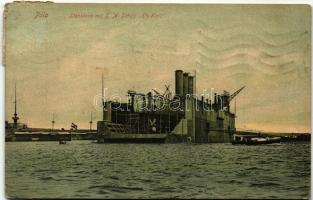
185 84
215 99
179 82
108 112
190 85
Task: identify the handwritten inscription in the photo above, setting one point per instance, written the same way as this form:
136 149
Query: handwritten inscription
41 14
115 15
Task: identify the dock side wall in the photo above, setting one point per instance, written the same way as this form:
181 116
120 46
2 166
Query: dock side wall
205 125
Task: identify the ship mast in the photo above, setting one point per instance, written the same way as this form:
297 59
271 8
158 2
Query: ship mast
103 105
15 117
90 121
195 83
52 121
235 106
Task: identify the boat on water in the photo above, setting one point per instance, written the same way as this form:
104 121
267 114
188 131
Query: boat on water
63 138
254 139
62 141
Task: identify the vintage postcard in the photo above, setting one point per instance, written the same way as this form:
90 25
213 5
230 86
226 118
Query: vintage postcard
189 101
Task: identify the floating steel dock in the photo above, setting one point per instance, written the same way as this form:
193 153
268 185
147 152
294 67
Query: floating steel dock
156 117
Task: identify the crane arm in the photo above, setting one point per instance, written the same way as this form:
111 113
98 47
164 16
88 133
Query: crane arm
157 92
231 97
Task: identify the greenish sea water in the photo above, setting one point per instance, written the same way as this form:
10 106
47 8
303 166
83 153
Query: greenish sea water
82 169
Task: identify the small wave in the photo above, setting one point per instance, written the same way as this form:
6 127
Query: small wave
164 189
253 168
78 164
263 162
264 184
67 179
227 181
46 178
303 187
46 170
103 192
235 181
95 186
115 188
143 180
80 172
114 177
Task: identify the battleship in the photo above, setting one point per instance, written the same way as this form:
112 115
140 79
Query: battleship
158 118
16 131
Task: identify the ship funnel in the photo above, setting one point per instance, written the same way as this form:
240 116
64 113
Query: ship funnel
190 85
179 82
185 87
